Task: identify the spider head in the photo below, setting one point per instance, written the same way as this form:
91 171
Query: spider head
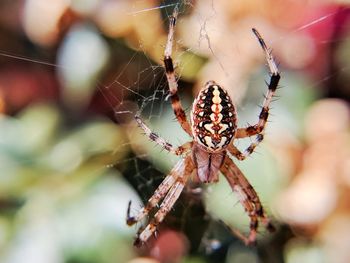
213 118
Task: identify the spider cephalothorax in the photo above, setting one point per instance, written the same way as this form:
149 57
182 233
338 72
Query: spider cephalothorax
213 129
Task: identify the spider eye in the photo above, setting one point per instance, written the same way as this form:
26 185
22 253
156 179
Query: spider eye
213 117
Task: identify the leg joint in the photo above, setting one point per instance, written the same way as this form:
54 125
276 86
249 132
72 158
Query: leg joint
264 114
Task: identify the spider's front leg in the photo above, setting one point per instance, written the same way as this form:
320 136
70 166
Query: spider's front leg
248 198
272 86
171 78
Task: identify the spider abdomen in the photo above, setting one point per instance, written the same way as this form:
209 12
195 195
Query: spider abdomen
213 118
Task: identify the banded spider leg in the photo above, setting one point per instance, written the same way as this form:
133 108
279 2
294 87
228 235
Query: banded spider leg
170 189
248 198
258 128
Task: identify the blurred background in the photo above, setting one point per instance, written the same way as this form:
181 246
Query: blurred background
73 74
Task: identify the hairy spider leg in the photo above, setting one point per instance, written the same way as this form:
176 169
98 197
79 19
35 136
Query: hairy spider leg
158 195
272 86
184 170
171 78
233 150
161 191
248 198
160 141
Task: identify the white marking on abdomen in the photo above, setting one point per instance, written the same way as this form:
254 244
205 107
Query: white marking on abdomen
213 115
222 142
223 127
209 127
208 142
216 107
216 95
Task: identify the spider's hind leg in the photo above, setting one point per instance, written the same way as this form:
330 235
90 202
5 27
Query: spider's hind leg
158 195
183 170
249 200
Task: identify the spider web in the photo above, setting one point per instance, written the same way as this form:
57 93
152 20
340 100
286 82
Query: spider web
138 83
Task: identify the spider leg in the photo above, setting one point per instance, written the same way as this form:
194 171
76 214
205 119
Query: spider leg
250 149
171 78
160 141
272 86
248 198
159 194
185 169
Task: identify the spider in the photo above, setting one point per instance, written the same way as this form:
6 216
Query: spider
213 128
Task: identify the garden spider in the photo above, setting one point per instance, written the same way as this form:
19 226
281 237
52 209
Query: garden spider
213 129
